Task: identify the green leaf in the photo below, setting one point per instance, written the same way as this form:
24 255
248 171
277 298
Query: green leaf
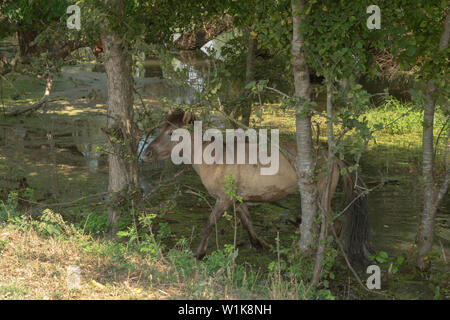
400 260
410 50
250 85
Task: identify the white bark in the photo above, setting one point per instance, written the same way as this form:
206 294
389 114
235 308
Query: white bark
432 194
305 162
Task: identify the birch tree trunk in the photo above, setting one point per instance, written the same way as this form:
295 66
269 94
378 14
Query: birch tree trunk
432 194
249 76
122 145
305 162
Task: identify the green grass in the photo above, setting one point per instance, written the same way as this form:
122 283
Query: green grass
390 111
13 290
397 149
40 249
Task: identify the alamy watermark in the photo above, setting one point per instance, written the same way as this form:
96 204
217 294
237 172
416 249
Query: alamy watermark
219 153
74 21
374 281
73 277
374 20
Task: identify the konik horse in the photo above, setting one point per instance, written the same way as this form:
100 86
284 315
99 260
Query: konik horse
252 186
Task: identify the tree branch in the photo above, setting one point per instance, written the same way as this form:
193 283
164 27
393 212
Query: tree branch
36 106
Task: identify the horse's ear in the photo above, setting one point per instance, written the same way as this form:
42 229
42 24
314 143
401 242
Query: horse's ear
187 117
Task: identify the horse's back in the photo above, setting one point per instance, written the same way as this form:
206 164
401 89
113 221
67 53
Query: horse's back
251 184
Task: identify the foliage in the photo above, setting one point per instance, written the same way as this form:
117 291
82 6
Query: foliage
337 45
9 210
146 242
389 111
52 224
23 15
93 223
416 29
231 188
296 268
386 261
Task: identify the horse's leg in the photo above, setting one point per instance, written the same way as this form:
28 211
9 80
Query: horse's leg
244 215
219 209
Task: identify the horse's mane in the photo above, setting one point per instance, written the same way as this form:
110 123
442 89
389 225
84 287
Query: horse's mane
176 116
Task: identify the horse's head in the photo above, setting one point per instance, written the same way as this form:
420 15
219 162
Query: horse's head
161 147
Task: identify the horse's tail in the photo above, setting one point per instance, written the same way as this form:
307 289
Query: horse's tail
357 223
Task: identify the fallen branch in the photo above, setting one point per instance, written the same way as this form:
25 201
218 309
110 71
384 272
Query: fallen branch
38 105
63 204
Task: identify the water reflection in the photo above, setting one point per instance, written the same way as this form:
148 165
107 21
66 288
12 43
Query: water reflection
194 77
194 67
88 139
394 216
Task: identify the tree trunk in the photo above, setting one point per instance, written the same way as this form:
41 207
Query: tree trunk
325 209
25 36
305 163
249 76
431 194
122 159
